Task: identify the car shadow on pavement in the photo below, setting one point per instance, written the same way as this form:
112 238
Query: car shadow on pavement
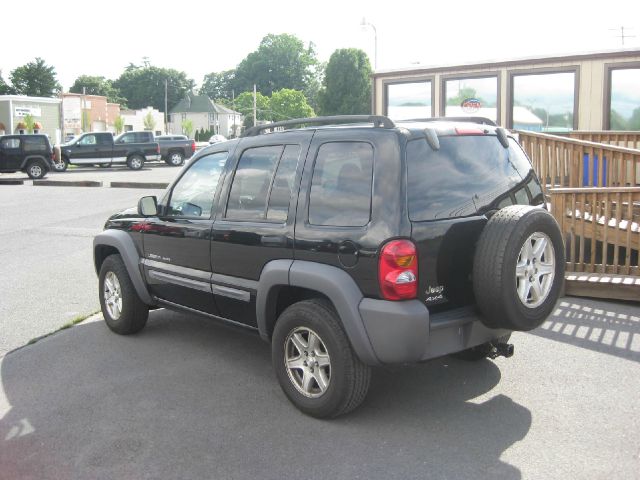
190 398
606 327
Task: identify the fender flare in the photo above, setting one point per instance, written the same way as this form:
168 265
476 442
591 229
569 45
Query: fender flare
334 283
122 242
28 158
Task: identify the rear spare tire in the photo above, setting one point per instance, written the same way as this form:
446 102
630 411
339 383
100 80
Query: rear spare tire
518 268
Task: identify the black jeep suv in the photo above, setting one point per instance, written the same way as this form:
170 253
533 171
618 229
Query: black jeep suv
359 243
31 154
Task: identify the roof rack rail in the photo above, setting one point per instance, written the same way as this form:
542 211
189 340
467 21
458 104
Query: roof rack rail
481 120
377 120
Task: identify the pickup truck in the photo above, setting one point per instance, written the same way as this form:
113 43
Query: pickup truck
175 148
130 148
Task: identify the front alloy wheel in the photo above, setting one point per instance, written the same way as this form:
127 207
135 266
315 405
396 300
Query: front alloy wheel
535 270
112 295
307 362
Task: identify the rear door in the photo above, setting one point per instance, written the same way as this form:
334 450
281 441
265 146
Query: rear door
256 225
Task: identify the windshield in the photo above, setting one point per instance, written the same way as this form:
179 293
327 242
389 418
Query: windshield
468 175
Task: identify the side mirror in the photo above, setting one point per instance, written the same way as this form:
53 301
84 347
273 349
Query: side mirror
148 206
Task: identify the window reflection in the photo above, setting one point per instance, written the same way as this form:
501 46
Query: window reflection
472 97
543 102
625 99
409 100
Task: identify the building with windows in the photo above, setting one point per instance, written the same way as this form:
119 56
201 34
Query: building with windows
205 115
590 91
143 119
88 113
44 110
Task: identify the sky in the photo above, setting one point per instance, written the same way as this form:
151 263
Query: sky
199 37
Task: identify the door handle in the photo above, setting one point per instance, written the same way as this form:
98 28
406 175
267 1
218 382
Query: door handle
273 241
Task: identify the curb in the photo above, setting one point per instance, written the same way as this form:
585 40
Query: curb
157 185
66 183
11 181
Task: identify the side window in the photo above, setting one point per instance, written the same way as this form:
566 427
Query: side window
34 144
104 139
341 185
193 195
282 184
128 138
9 143
88 140
251 183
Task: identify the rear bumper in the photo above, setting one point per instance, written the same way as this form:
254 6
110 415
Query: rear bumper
406 332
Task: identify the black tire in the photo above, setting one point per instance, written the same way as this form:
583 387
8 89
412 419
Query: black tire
175 159
135 162
349 378
61 166
134 312
36 169
481 351
494 269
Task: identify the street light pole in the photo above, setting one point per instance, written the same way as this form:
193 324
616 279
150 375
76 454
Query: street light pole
364 23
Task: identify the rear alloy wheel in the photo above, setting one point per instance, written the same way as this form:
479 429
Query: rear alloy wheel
175 159
315 365
135 162
36 169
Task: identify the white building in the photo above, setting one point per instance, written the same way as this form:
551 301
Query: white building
205 115
135 120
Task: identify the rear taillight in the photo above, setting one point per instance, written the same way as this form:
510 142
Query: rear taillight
398 270
470 131
158 149
193 146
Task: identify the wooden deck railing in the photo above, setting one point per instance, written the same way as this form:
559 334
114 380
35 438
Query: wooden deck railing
567 162
601 228
629 139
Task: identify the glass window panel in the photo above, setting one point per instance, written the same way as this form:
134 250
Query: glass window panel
543 102
282 184
472 97
341 185
625 99
409 100
193 195
250 187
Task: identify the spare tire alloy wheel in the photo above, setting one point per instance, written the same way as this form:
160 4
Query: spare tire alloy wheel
61 165
307 362
518 268
535 270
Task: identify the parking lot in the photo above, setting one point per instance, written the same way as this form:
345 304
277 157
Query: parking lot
190 398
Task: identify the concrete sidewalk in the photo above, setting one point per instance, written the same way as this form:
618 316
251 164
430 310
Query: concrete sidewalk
191 398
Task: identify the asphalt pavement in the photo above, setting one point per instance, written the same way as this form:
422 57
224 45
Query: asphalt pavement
190 398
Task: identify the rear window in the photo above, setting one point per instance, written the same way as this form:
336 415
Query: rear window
35 144
466 176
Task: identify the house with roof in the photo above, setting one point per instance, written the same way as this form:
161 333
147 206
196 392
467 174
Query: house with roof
205 115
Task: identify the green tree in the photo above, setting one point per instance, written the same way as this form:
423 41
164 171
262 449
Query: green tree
244 105
218 86
118 124
30 122
287 104
97 86
463 94
187 127
347 84
634 120
35 79
144 86
281 61
5 88
149 122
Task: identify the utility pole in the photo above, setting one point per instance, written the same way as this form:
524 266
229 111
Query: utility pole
622 35
165 107
233 106
254 106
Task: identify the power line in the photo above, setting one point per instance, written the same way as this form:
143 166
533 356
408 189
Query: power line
622 35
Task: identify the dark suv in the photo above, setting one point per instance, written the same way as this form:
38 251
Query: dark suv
31 154
351 245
